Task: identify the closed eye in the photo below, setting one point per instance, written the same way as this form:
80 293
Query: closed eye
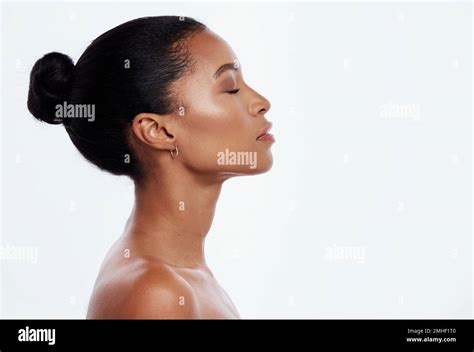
234 91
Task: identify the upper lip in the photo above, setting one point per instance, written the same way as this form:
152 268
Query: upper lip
265 130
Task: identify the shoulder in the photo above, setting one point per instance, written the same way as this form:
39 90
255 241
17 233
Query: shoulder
157 292
151 290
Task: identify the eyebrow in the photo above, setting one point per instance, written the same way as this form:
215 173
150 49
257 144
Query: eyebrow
225 67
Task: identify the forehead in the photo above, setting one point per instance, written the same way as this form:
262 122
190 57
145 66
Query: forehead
209 51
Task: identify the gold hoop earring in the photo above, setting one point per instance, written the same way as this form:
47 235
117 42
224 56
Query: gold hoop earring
174 153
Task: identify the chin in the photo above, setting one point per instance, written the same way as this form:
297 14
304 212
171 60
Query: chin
244 163
261 166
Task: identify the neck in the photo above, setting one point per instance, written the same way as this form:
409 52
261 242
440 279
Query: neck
172 215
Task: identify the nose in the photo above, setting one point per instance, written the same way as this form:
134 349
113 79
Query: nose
259 105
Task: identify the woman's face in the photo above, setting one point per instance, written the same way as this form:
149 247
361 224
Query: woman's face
220 117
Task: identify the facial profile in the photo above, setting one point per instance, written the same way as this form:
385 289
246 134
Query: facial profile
219 124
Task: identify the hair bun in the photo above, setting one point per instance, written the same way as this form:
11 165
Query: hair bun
50 84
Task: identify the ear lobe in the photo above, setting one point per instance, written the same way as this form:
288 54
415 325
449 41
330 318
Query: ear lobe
153 130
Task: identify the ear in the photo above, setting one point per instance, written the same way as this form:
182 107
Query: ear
154 130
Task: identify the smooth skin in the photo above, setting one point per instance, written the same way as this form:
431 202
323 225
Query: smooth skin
157 268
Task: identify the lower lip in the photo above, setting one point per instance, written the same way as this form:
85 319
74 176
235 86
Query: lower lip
267 137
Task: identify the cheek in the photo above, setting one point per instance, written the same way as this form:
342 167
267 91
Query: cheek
219 121
214 127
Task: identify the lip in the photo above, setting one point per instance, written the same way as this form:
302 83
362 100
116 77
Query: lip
267 137
264 136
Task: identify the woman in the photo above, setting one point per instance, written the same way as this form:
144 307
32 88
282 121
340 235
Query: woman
163 101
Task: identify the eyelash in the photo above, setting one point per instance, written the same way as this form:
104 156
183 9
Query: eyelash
234 91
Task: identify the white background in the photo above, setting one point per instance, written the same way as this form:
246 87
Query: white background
365 214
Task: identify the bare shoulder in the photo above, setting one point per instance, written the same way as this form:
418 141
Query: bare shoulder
144 290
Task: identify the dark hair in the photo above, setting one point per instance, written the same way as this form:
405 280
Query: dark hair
125 71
